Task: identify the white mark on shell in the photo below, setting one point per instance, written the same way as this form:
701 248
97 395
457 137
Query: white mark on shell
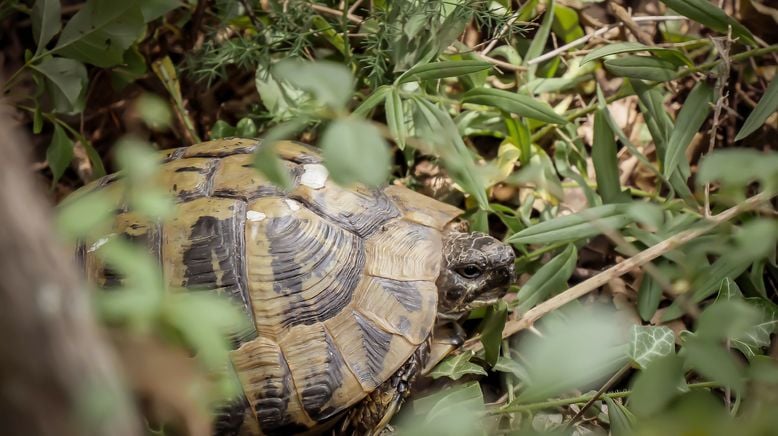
253 215
293 205
99 243
314 176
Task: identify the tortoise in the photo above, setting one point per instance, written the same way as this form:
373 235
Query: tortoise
342 287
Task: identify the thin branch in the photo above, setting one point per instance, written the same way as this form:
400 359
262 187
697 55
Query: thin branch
356 19
618 270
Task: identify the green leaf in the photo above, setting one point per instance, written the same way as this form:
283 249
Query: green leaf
268 163
436 127
566 23
81 214
510 366
704 285
648 343
579 345
519 104
757 337
331 35
154 111
727 166
766 107
132 68
628 47
491 331
373 100
246 128
693 113
705 12
715 362
548 280
221 129
605 161
279 97
59 153
100 32
206 322
654 387
45 22
395 117
642 67
456 411
343 140
153 9
541 37
649 296
66 80
330 83
584 224
455 367
442 69
726 319
622 421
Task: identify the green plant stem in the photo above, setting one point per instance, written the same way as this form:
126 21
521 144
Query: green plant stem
582 399
734 58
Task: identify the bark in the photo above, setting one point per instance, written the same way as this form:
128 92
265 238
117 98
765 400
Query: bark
57 371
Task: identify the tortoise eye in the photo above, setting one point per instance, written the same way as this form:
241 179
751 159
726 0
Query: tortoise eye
469 271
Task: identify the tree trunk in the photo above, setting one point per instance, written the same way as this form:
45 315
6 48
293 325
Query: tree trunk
57 371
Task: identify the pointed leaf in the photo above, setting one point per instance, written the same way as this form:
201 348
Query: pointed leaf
605 161
66 80
491 332
548 280
693 113
59 154
630 47
654 387
622 421
642 67
100 32
443 69
45 22
766 107
395 117
587 223
705 12
512 102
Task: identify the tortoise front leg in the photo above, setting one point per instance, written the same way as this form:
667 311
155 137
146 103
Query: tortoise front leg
371 416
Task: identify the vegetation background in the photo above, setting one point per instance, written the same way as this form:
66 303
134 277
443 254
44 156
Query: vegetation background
627 150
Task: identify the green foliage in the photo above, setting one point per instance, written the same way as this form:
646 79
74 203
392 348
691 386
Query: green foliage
494 120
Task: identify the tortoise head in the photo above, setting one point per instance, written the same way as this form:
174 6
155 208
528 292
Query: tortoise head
476 271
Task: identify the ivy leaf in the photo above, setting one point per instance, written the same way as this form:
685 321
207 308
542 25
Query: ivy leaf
45 22
649 343
66 81
456 366
100 32
59 154
756 337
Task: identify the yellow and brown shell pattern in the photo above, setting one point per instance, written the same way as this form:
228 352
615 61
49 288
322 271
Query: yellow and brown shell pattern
338 284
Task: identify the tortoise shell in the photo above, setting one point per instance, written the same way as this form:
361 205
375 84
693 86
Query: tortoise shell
338 284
